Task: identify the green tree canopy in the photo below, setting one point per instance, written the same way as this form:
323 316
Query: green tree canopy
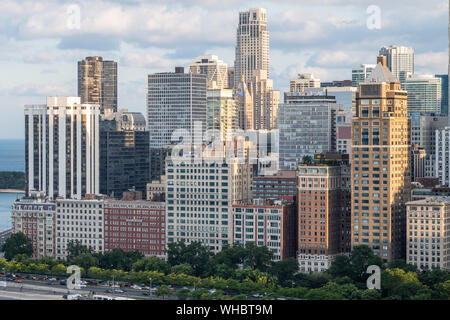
17 243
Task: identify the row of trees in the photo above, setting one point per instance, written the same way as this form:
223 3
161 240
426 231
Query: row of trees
248 269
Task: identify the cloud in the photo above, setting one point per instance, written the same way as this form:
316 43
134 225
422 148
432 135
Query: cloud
146 60
34 90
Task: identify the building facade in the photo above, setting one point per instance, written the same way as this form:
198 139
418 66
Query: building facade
34 216
222 113
124 154
428 222
62 148
97 83
424 94
252 45
200 196
216 71
399 60
135 226
324 215
307 126
381 172
282 185
303 81
79 221
361 74
265 101
270 224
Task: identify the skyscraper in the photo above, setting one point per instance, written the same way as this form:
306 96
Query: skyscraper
216 71
424 94
323 213
175 100
307 126
97 82
252 46
244 104
124 153
381 173
361 74
222 112
400 60
62 148
265 101
444 93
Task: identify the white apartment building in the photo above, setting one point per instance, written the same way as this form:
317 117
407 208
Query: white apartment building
424 93
79 221
428 239
400 60
62 148
361 73
200 196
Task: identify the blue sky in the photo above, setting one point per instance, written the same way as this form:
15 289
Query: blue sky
38 52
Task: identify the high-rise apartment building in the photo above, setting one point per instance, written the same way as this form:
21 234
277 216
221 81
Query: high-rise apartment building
361 74
307 126
221 113
175 100
97 82
244 105
216 71
424 94
428 222
324 215
230 78
303 81
124 153
252 45
442 155
423 133
444 93
400 60
265 101
381 173
62 148
200 198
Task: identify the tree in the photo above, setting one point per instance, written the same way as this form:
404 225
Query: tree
257 257
163 291
75 249
151 264
85 260
118 259
341 267
182 269
17 243
285 271
401 264
431 278
183 294
195 255
361 258
391 279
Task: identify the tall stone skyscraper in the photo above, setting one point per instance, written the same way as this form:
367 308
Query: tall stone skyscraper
244 104
381 173
62 148
252 46
97 83
400 60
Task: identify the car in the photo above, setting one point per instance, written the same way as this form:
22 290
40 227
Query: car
9 279
145 293
119 291
52 279
212 291
136 287
18 281
50 283
82 285
109 291
63 282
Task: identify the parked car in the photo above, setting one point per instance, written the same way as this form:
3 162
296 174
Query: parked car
18 281
63 282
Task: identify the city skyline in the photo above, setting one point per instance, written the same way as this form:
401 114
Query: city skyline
50 67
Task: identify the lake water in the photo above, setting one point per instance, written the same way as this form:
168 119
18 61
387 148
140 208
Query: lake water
6 200
12 155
